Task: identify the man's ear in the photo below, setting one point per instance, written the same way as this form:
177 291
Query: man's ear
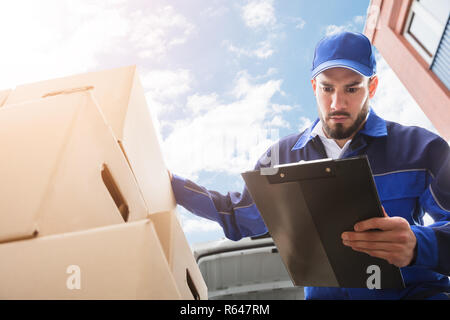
373 84
313 83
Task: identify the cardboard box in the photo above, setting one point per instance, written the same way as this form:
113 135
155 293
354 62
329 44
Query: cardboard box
123 261
62 169
122 101
3 96
120 95
179 255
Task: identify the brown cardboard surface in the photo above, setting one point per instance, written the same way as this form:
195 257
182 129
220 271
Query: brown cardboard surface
179 255
120 95
121 99
62 169
122 261
4 95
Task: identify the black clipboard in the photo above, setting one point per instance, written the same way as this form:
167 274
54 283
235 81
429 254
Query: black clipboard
306 207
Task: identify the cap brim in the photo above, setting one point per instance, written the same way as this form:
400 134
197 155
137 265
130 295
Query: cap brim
343 63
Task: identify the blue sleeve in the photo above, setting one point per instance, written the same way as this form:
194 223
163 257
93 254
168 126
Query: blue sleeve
235 212
433 241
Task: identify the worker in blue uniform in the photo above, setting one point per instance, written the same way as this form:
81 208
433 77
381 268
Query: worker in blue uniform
411 168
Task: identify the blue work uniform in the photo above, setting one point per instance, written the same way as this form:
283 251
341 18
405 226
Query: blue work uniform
411 168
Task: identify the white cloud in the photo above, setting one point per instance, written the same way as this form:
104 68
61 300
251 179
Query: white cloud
191 224
163 85
354 25
224 137
393 102
299 23
259 13
47 39
359 19
53 38
156 108
334 29
156 32
238 51
279 108
201 103
215 12
270 72
263 51
279 122
164 89
304 123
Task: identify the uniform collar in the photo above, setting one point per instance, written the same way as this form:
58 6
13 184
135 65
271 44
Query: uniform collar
374 127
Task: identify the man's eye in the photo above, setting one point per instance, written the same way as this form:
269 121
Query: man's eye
327 89
352 90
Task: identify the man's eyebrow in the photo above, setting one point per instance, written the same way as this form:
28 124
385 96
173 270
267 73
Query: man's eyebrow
352 84
326 84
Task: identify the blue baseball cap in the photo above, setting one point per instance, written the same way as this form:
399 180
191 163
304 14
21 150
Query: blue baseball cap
345 50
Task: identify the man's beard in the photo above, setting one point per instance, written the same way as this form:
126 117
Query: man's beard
340 132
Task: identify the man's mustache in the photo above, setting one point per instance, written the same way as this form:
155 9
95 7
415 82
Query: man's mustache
338 113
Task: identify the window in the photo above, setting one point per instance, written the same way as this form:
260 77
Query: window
425 26
441 61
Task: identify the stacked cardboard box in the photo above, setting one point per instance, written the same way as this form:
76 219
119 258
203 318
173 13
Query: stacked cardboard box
86 208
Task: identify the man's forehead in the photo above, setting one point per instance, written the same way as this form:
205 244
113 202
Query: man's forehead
340 75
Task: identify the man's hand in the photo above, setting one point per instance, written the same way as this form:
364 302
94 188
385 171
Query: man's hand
394 241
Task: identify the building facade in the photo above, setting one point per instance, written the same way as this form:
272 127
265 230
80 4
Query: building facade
413 36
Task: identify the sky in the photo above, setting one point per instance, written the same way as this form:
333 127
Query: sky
223 79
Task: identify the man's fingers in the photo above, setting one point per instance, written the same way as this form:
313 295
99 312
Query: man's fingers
373 245
373 223
385 223
383 236
364 236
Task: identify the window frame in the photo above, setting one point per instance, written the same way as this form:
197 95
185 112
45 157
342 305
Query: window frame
437 26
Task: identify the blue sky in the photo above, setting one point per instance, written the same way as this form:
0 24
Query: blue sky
223 78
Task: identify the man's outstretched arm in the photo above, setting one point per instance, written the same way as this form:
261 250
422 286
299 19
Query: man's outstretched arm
235 212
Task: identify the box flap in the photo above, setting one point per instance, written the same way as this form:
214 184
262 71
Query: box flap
61 156
121 97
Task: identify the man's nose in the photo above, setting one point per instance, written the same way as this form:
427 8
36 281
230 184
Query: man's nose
338 101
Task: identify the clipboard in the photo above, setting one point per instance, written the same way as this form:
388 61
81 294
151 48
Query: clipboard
306 207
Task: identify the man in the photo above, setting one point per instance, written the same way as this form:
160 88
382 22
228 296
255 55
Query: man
411 169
